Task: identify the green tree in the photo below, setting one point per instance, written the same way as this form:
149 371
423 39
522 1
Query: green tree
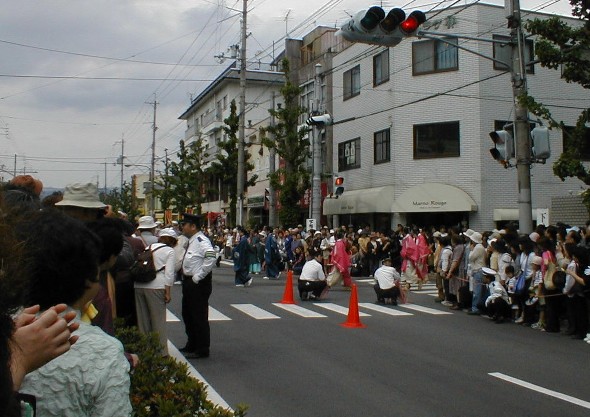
163 190
122 200
293 178
225 166
187 177
566 47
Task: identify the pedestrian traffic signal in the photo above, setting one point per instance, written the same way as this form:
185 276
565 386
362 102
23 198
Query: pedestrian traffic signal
503 149
372 26
338 186
540 142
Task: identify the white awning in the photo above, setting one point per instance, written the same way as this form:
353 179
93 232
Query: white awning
433 197
369 200
507 214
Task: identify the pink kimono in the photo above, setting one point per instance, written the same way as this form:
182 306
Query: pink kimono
341 261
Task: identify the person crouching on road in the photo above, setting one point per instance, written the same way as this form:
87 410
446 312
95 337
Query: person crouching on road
312 281
385 288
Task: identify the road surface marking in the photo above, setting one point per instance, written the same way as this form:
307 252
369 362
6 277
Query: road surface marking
541 390
170 317
300 311
255 312
385 310
338 309
212 395
416 307
215 315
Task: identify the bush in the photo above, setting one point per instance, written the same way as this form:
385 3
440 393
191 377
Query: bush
161 386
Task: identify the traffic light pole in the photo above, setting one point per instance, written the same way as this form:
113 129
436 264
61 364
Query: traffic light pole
521 122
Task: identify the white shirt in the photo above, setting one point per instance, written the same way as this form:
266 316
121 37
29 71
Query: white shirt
496 291
200 257
386 277
163 257
312 271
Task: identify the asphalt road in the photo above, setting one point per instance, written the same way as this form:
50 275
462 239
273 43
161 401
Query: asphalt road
419 362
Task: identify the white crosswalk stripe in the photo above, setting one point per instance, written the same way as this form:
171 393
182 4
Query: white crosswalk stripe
255 312
300 311
428 310
338 309
383 309
216 315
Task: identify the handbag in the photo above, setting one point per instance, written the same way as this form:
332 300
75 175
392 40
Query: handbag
548 278
520 287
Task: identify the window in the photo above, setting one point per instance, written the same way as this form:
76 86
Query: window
503 53
381 68
352 82
583 146
381 146
436 140
349 154
435 56
307 95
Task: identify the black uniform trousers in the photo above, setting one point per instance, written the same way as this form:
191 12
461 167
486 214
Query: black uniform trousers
195 313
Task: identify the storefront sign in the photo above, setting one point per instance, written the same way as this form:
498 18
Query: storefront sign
429 205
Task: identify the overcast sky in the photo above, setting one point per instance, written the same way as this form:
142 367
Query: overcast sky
77 76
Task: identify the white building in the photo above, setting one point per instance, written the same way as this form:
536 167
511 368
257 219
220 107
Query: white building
416 146
205 118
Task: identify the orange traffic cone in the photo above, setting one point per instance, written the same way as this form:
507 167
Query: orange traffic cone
288 294
353 319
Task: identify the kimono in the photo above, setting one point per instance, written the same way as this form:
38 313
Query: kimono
341 261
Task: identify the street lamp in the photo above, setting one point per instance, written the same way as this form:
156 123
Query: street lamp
152 207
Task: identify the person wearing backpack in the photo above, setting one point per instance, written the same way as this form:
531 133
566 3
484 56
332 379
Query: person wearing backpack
151 297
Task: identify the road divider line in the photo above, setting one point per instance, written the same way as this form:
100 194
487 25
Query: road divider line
384 310
541 390
300 311
255 312
212 395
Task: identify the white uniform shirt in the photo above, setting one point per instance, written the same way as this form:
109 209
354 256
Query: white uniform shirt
312 271
386 277
200 257
163 257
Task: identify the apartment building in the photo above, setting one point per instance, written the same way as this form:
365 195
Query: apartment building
411 138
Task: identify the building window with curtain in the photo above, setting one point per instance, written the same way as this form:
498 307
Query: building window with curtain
437 140
381 146
435 56
352 82
381 68
349 154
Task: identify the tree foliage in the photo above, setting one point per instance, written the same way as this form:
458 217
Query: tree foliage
163 190
292 178
565 47
122 200
225 165
187 177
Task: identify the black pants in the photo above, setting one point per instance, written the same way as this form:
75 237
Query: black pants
392 292
195 313
315 287
499 308
553 310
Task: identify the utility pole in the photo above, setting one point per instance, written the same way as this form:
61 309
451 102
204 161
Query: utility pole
105 179
153 164
272 205
242 125
521 119
122 161
316 195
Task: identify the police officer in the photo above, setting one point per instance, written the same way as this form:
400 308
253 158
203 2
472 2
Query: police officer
197 265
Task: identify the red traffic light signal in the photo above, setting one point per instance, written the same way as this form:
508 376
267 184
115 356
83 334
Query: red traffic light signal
338 186
411 24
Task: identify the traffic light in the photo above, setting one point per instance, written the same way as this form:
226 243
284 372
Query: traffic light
540 142
319 120
338 186
503 148
374 27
